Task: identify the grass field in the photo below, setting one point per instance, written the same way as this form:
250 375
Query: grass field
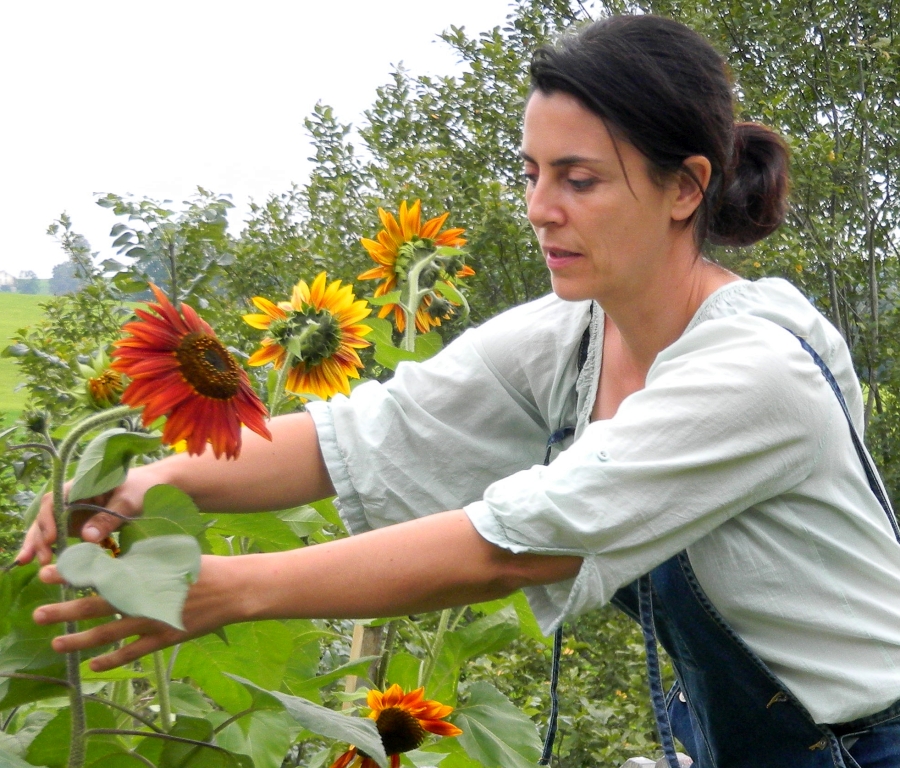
17 310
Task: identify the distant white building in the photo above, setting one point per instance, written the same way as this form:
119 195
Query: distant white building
7 281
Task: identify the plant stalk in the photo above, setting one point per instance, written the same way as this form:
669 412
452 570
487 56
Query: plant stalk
60 515
427 669
162 691
280 383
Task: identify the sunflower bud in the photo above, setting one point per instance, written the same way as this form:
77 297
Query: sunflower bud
440 308
36 421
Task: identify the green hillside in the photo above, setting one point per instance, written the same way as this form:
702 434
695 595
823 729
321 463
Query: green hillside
17 310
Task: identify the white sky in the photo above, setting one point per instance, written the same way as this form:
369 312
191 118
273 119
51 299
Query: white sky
156 98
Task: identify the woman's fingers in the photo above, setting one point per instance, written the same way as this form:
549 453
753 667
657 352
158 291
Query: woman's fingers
40 537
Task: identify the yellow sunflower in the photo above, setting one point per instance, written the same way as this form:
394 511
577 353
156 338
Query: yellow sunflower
391 269
320 326
179 369
402 720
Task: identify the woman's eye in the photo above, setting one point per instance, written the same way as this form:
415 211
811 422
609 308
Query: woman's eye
581 184
530 178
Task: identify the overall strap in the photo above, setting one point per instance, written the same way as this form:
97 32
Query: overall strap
645 585
557 437
864 458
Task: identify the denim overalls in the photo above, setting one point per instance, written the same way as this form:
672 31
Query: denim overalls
727 708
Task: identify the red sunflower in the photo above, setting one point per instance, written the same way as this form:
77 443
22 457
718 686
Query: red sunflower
179 369
402 720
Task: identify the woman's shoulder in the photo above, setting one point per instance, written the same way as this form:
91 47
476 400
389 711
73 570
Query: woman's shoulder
545 325
751 319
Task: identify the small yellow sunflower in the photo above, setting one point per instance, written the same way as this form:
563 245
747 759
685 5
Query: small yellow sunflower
320 326
391 269
179 369
402 720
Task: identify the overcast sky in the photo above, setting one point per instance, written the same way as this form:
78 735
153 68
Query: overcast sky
156 98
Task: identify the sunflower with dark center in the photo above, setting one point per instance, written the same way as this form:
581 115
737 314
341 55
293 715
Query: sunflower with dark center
320 329
398 245
180 370
403 720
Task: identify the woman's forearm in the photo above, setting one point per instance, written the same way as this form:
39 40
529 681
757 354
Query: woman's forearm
422 565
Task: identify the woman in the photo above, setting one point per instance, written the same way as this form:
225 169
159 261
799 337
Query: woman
707 481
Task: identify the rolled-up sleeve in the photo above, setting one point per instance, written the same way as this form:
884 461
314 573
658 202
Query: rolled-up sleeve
731 416
440 432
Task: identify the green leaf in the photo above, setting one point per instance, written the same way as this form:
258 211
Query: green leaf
151 579
449 292
389 298
258 651
487 634
267 531
10 760
309 689
187 700
403 669
51 746
328 510
382 330
104 463
265 736
15 745
123 239
167 511
180 755
427 345
359 731
24 645
15 350
495 731
303 521
527 622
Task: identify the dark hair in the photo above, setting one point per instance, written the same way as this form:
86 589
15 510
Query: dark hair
665 89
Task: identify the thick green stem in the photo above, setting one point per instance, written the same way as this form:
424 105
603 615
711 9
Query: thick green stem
73 674
411 307
427 669
92 422
162 691
278 393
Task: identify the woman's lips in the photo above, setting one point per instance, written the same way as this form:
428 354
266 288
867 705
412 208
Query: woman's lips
557 258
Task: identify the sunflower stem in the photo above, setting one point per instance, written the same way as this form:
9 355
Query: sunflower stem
91 422
61 518
427 669
73 659
162 691
415 299
280 383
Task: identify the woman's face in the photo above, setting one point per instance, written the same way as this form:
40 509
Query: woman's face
604 226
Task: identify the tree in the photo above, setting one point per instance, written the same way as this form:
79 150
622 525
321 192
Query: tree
27 282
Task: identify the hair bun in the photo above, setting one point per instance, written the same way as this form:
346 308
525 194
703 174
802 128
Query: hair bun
754 202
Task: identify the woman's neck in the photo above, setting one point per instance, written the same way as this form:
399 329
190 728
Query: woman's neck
648 323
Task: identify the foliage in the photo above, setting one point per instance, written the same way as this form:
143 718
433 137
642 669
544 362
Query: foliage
27 282
822 74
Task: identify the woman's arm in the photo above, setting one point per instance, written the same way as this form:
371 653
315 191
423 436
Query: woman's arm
282 473
426 564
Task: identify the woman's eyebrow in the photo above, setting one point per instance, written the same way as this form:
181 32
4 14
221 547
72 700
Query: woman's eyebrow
567 160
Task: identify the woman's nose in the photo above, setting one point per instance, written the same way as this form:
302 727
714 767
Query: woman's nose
542 205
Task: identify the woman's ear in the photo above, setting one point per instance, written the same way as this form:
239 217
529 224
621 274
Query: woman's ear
695 170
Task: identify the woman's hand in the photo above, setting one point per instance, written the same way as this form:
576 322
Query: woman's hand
127 500
206 609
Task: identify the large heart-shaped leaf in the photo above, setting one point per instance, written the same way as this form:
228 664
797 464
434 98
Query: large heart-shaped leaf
359 731
105 461
151 579
495 731
167 511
